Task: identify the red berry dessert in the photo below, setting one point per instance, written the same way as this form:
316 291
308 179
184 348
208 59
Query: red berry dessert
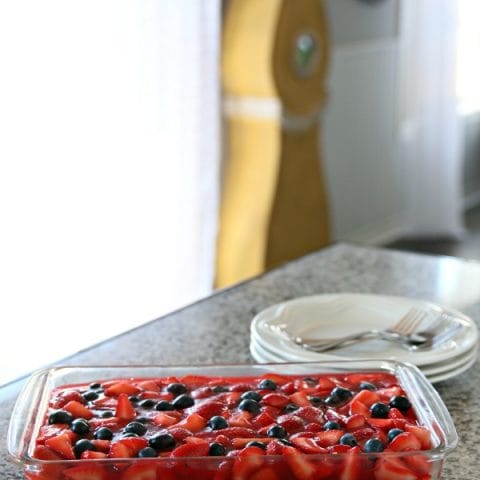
335 426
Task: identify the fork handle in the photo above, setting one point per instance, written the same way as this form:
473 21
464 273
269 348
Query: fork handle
324 346
330 344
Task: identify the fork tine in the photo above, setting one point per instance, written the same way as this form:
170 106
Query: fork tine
409 322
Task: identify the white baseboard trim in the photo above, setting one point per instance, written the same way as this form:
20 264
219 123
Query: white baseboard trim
384 231
471 200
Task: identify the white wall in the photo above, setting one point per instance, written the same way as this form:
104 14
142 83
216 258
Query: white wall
359 131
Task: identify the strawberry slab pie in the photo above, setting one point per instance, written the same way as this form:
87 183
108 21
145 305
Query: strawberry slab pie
344 421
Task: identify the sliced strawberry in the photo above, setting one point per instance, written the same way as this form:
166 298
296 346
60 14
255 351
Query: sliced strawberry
265 473
193 422
310 414
45 453
125 409
276 400
263 419
241 387
141 471
239 443
148 385
101 445
405 442
288 388
313 427
232 432
392 468
78 410
164 420
291 423
339 449
62 445
328 438
383 423
325 383
230 399
422 435
355 421
418 463
367 397
179 433
301 468
86 472
48 431
52 471
247 461
125 388
352 466
275 448
120 450
395 413
386 394
241 419
300 399
191 450
91 455
194 381
134 444
308 445
66 396
210 409
356 407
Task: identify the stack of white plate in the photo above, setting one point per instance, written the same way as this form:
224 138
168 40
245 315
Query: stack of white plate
334 315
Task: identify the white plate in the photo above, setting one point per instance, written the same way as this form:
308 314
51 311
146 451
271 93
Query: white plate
262 356
428 369
332 315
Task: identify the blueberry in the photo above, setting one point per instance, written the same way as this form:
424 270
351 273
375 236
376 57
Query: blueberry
367 386
285 442
90 395
60 416
348 439
217 423
106 414
379 410
249 405
183 401
401 403
147 452
316 401
129 435
134 399
373 445
95 386
147 403
255 443
311 381
103 433
80 426
393 432
135 427
219 389
143 419
216 450
176 388
252 395
82 445
291 407
267 384
331 425
277 431
341 395
161 441
164 406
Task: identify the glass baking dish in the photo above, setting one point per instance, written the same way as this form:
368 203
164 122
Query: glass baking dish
32 405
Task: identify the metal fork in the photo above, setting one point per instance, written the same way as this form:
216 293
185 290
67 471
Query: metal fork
399 333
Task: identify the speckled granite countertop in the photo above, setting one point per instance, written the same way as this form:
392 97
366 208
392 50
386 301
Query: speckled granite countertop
216 329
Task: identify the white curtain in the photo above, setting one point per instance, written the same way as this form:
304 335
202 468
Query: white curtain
431 134
109 153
